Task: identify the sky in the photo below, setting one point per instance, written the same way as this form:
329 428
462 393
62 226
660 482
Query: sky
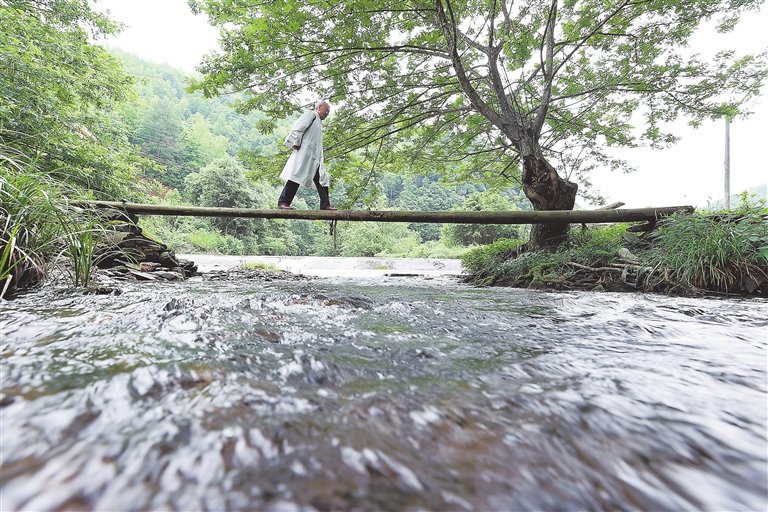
689 173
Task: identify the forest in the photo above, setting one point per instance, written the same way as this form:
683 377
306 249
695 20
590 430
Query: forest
451 115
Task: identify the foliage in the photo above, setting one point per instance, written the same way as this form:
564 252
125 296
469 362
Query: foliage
377 239
30 204
436 249
720 252
83 235
477 234
468 88
7 260
425 194
222 183
596 246
500 263
183 132
208 123
213 242
58 93
162 138
38 226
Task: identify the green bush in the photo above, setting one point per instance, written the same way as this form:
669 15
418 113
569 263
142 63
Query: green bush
273 246
377 239
37 226
260 265
497 264
433 249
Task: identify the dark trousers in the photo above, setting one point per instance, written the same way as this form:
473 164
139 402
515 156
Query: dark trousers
291 187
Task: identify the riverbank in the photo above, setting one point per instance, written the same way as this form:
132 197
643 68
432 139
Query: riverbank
691 254
332 266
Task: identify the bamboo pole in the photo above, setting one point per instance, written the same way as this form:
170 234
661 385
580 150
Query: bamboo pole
446 217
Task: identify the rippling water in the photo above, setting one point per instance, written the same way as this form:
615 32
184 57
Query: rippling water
381 395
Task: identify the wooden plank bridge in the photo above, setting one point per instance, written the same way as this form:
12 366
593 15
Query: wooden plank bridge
442 217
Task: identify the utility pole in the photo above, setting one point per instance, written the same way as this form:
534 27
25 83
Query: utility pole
727 165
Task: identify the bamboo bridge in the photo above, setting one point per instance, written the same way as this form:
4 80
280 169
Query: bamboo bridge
604 215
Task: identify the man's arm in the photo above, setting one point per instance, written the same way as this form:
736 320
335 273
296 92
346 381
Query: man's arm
295 136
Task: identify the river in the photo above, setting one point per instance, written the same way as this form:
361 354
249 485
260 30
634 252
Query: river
381 393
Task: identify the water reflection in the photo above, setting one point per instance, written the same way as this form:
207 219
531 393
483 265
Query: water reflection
339 394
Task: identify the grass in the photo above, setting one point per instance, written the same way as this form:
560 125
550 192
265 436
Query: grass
725 252
37 227
30 229
7 262
482 265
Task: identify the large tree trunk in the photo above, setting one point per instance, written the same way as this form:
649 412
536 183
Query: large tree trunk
547 191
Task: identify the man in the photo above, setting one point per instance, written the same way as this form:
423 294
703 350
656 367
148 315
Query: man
305 165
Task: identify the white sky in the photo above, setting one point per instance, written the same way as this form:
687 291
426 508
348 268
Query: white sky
691 172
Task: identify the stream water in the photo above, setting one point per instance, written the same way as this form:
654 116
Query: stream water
381 394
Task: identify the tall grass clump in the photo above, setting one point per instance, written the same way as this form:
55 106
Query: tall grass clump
725 252
29 203
37 227
83 232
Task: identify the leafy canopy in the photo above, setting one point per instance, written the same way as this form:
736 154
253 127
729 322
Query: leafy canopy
471 86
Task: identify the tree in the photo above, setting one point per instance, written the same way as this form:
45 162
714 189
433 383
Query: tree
222 183
427 195
198 131
162 136
58 92
370 239
492 88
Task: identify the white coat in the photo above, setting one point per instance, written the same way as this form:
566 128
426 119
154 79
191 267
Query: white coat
307 133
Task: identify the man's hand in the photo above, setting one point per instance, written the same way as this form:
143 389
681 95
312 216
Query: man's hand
296 147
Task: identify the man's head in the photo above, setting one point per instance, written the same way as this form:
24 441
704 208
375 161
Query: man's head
323 109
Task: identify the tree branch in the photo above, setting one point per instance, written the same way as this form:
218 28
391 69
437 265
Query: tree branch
547 70
450 34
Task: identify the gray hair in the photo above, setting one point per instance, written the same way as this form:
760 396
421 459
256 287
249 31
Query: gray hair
322 102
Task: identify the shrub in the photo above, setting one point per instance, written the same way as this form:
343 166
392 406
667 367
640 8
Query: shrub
597 246
498 263
377 239
38 226
260 265
433 249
